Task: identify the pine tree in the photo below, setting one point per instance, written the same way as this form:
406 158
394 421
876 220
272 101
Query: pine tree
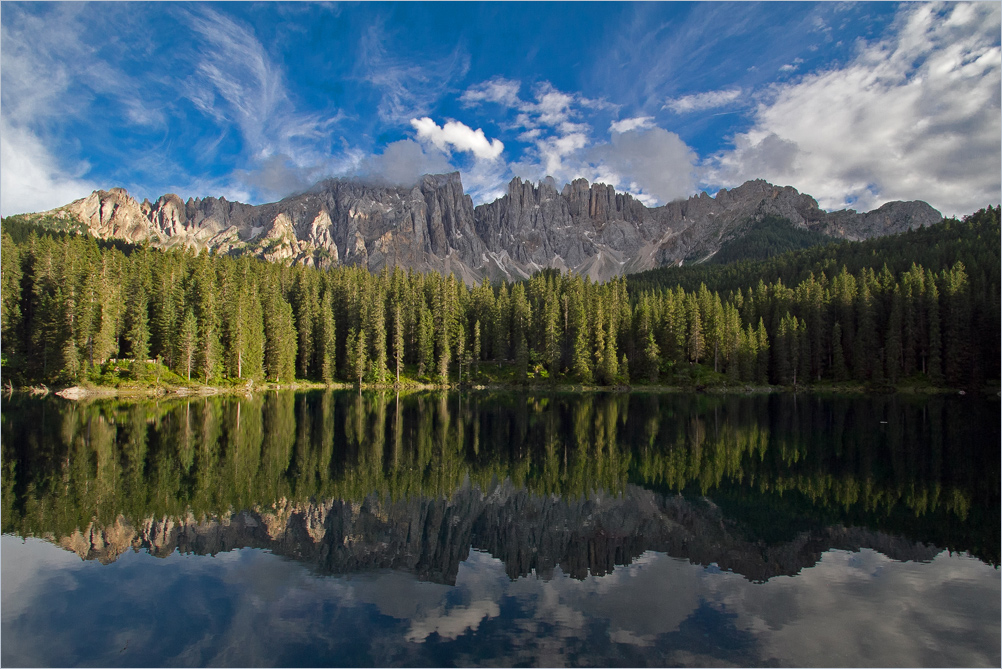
476 348
188 341
10 303
279 336
137 333
206 308
304 311
358 362
426 341
762 363
376 334
956 320
398 341
934 369
581 369
653 355
893 349
838 358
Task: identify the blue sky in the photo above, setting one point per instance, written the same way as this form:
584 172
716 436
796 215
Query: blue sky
854 103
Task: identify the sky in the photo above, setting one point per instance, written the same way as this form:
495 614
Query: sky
856 104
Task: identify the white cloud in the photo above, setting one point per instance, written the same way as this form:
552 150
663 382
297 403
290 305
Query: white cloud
792 67
913 116
552 107
458 136
451 623
653 164
702 101
628 124
403 163
30 177
500 90
650 163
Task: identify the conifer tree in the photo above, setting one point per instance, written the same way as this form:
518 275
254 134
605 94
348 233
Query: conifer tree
398 341
838 358
476 348
893 349
326 339
426 341
358 362
279 336
10 301
137 333
188 341
934 369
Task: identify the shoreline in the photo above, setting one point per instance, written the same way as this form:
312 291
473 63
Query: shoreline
92 392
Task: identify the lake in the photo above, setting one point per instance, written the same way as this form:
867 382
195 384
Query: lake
440 529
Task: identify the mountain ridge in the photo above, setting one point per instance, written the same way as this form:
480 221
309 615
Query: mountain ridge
590 229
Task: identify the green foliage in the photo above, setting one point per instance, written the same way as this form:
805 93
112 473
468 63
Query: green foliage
769 237
874 312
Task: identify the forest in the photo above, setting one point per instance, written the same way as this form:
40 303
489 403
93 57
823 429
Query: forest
921 308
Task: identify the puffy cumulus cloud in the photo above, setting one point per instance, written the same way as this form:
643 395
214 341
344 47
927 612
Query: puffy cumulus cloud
457 136
552 107
792 67
628 124
702 101
403 163
805 620
31 179
451 623
653 164
915 115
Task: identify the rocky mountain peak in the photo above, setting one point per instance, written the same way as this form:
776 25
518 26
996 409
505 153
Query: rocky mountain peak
588 228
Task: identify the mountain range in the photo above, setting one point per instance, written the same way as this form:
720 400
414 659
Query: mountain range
587 228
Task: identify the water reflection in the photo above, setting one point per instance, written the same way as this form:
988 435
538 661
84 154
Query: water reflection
345 482
443 529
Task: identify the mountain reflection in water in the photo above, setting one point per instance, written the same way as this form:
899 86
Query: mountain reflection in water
570 485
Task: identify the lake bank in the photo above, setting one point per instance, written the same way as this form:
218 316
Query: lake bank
91 391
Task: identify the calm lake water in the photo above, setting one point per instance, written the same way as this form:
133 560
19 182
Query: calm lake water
339 529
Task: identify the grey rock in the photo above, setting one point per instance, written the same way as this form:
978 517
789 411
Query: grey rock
586 228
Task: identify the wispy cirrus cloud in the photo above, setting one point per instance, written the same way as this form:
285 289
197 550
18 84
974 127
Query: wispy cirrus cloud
703 101
236 81
408 88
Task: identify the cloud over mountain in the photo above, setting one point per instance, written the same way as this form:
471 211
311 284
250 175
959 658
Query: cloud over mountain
916 114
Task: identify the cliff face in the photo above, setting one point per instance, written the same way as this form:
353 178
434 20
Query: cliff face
529 533
588 228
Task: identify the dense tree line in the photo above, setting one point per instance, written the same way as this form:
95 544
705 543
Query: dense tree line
974 241
869 314
766 238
